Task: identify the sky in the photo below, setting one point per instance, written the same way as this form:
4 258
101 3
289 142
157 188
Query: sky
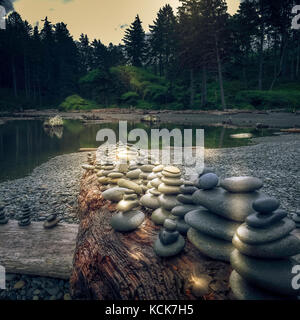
99 19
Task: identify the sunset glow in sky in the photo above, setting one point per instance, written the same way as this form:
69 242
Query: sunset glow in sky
101 19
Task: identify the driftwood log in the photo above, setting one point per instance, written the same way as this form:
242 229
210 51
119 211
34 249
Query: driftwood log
34 250
111 265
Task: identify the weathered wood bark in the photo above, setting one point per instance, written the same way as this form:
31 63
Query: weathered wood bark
34 250
111 265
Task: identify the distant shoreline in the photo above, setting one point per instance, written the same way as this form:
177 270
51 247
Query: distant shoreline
238 118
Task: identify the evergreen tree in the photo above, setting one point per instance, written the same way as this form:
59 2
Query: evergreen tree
134 41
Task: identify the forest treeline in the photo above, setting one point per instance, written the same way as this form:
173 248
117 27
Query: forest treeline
200 57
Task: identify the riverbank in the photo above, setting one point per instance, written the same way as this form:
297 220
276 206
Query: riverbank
53 188
238 118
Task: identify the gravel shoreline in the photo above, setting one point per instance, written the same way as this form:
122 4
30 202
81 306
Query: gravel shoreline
53 188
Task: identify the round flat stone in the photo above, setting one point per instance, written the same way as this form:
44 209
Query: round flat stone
233 206
51 224
276 231
103 180
127 205
172 181
260 220
243 290
130 185
158 168
115 175
150 201
160 215
169 250
184 189
168 202
267 205
126 222
87 167
172 169
241 184
273 275
182 210
147 167
168 237
134 174
211 224
114 194
170 175
155 192
212 247
166 189
151 176
182 226
155 182
208 181
185 198
285 247
170 224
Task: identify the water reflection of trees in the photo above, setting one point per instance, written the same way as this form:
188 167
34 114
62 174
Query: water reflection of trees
54 131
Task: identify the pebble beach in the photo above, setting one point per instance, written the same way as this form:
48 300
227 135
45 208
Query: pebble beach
53 187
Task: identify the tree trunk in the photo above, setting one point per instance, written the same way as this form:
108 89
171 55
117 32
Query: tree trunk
192 88
261 59
204 87
282 55
220 75
14 76
109 265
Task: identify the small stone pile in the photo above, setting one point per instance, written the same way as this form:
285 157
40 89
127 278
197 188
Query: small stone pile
146 172
25 217
169 189
3 218
296 218
150 199
107 167
169 242
186 205
128 218
90 163
225 208
261 259
133 173
51 221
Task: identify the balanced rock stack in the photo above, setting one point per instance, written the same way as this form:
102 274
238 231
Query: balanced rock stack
296 218
90 159
25 217
128 218
261 259
107 167
133 173
51 221
150 199
146 171
186 205
169 189
169 242
225 208
3 218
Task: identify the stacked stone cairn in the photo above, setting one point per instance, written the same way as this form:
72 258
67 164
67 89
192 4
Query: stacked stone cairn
169 242
146 171
25 217
296 219
107 167
169 189
150 199
223 209
128 218
90 163
186 205
262 263
51 221
3 218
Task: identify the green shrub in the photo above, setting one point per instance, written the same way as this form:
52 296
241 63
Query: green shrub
130 98
75 102
263 100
